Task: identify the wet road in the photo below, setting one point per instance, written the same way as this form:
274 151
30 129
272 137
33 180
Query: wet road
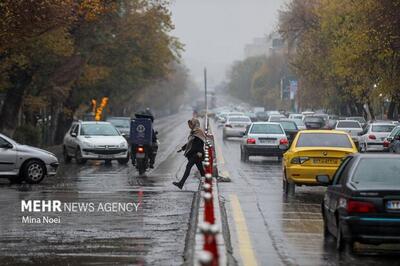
155 234
270 229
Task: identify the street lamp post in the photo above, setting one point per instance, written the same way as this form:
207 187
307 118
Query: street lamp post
382 101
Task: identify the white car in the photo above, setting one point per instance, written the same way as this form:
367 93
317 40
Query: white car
276 117
374 135
25 163
352 127
235 114
296 116
263 139
88 140
235 126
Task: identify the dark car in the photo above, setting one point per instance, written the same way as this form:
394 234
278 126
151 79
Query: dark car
362 204
290 128
392 142
123 124
262 116
314 122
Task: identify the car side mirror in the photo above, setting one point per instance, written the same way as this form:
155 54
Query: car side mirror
323 180
123 134
7 146
73 134
397 137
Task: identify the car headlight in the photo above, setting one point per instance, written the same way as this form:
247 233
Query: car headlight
123 144
87 144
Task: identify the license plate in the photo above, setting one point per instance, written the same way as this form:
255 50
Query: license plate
325 161
393 205
103 156
140 155
264 141
239 126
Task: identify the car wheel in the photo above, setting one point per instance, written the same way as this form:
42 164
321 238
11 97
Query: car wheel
67 158
291 188
244 155
341 244
285 186
327 234
78 156
33 172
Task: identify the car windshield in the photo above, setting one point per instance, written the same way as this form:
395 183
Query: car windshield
382 128
288 125
266 129
124 123
323 140
348 124
239 119
98 130
377 173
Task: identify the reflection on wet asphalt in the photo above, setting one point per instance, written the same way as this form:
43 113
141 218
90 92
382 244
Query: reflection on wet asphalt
154 235
285 231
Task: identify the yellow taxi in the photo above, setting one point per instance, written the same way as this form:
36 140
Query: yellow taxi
314 153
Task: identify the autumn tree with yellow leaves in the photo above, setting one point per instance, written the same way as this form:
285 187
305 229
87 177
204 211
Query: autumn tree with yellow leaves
347 53
57 55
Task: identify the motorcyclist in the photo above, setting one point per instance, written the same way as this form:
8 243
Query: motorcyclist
154 147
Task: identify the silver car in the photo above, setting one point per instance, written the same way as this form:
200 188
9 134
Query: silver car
374 135
235 126
89 140
25 163
353 127
263 139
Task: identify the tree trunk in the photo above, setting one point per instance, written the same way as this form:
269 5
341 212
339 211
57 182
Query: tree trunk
13 101
392 108
369 111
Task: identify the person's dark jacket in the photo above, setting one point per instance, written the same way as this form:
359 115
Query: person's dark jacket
196 147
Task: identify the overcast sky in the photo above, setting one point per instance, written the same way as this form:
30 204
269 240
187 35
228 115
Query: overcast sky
215 31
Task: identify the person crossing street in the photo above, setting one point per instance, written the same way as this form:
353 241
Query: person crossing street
193 150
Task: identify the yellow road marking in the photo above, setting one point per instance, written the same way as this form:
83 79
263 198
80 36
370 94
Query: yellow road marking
245 247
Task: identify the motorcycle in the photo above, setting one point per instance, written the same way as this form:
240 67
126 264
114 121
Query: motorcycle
144 142
141 159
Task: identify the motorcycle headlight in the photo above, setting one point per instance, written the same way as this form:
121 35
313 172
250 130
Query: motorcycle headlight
123 144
